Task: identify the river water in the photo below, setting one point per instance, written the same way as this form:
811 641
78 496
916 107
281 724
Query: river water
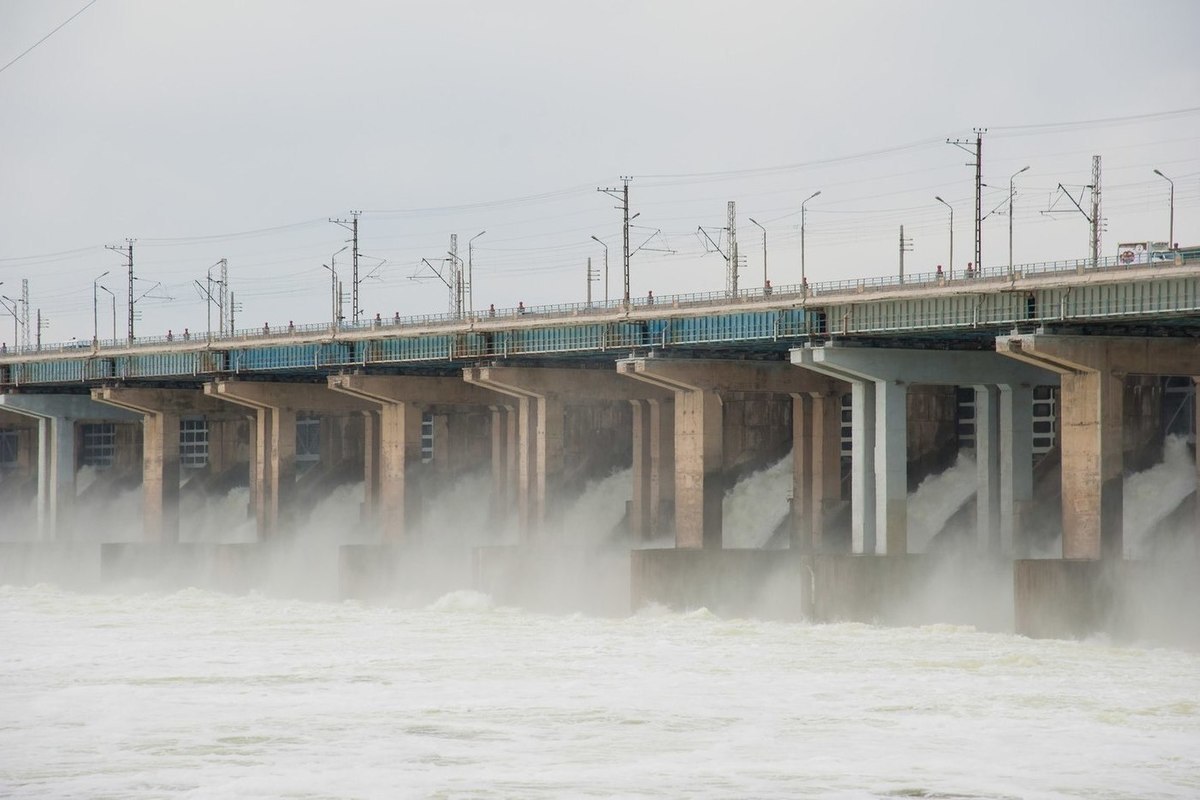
198 694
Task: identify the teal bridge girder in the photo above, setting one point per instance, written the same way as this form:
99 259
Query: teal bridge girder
1163 294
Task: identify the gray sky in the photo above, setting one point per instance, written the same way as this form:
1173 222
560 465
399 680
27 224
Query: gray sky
181 124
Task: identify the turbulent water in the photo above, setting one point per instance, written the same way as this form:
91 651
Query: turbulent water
197 694
194 694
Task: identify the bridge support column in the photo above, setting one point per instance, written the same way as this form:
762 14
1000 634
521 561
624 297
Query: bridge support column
504 452
640 505
816 466
697 386
1093 371
662 464
273 470
879 379
400 402
160 410
542 395
57 459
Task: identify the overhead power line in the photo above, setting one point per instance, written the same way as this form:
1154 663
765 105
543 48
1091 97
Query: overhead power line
48 35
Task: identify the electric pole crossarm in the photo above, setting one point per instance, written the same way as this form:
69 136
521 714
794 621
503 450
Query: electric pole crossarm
715 245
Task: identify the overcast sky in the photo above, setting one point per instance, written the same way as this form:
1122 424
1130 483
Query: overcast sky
193 127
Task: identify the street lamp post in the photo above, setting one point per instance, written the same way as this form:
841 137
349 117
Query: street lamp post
335 309
764 230
471 273
113 297
1171 243
95 315
1011 192
803 273
947 205
12 310
602 244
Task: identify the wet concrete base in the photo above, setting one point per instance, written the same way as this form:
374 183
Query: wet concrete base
781 584
554 579
1125 599
406 575
71 565
233 568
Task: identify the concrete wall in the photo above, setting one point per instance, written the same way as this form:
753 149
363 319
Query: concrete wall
932 431
597 440
757 429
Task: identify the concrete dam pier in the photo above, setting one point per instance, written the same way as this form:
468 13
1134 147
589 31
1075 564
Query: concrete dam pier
1058 386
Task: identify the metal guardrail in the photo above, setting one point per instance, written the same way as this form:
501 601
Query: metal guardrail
816 291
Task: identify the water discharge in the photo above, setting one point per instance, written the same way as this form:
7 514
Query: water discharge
197 694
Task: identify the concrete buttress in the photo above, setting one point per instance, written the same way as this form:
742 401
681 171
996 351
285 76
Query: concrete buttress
400 402
57 461
880 378
1093 371
275 405
161 410
697 386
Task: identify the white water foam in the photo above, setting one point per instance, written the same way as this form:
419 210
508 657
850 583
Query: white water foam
1152 495
937 499
756 506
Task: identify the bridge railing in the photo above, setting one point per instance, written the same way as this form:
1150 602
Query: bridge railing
817 291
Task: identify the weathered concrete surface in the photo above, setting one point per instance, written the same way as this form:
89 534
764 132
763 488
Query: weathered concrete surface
1093 370
554 579
275 406
397 404
408 574
701 389
57 416
784 584
71 565
545 429
1129 600
234 568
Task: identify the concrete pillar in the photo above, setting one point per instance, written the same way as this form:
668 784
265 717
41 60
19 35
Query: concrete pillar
542 395
1092 464
640 503
885 373
662 464
697 386
400 401
803 479
863 491
988 501
1016 468
891 467
56 416
1093 371
699 490
501 484
273 469
160 410
827 464
372 469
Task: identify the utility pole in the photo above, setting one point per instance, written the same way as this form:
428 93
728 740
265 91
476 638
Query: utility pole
803 273
978 165
766 283
731 257
1096 216
352 226
127 252
622 194
456 278
1011 194
42 324
1094 219
232 309
731 273
471 273
25 313
906 246
951 262
602 244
